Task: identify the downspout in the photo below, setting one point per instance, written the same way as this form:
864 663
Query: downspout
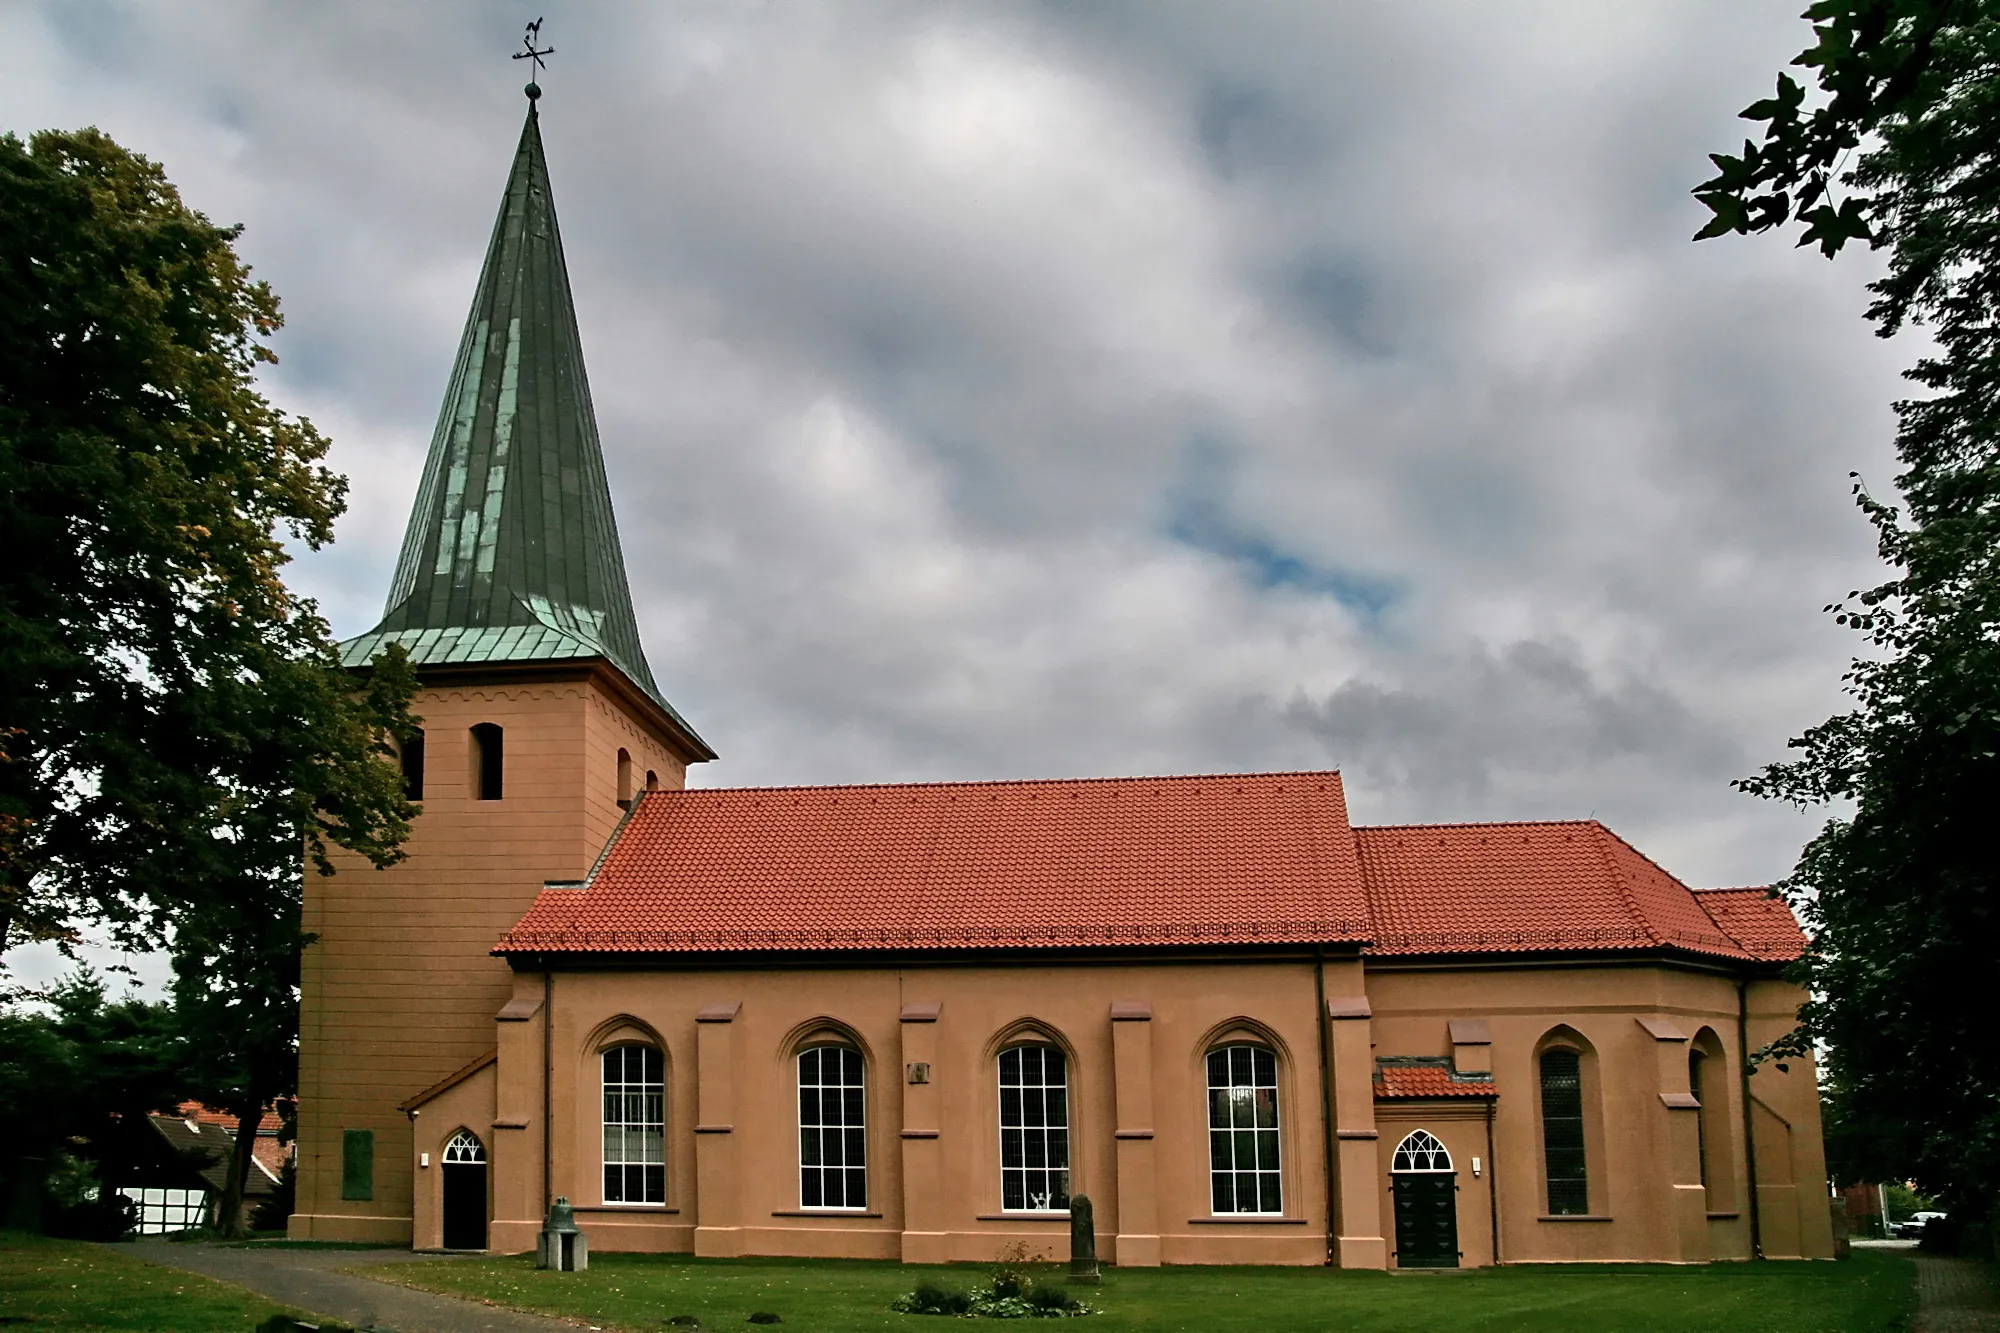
1492 1183
1749 1127
548 1077
1325 1097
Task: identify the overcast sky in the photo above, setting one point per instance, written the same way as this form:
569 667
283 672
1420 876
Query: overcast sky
1014 390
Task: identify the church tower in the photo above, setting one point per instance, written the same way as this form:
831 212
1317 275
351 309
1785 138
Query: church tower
540 721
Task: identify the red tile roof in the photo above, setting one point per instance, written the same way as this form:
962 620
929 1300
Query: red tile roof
1264 858
1512 888
1762 924
1396 1079
195 1111
1267 858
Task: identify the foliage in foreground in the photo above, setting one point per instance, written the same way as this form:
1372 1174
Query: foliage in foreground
89 1289
1870 1293
1899 146
176 731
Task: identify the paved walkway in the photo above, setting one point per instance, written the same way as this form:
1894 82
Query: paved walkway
1956 1296
308 1279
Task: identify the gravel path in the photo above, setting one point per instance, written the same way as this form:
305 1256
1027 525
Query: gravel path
308 1279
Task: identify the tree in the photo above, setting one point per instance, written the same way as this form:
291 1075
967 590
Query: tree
147 643
78 1077
176 731
1900 149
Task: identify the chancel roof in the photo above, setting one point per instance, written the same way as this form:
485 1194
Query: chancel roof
1515 888
1190 861
512 551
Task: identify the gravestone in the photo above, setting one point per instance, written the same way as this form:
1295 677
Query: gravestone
1082 1242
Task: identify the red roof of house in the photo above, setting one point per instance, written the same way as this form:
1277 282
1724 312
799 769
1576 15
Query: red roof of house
1396 1079
1267 858
1762 924
1512 888
195 1111
1263 858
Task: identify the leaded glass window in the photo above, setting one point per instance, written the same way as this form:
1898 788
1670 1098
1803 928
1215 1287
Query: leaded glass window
1421 1151
1562 1133
464 1147
833 1133
1243 1130
1034 1129
635 1125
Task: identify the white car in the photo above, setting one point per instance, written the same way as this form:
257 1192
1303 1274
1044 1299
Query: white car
1912 1227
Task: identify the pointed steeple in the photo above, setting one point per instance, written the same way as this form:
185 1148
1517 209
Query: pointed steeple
512 552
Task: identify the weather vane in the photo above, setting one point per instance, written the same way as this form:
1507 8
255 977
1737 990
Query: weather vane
530 52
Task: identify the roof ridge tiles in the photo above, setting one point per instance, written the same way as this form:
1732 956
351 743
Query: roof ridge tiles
1482 824
989 783
1618 881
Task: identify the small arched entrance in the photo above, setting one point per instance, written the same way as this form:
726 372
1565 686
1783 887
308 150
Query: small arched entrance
1425 1190
464 1192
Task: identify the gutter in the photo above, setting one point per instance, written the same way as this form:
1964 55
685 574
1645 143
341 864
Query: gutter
1492 1183
1749 1127
1325 1097
548 1077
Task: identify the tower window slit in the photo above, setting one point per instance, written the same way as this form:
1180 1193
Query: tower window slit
487 765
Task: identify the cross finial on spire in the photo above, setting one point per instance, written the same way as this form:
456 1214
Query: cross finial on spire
529 52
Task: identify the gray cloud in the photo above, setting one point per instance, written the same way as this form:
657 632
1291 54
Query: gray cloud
998 390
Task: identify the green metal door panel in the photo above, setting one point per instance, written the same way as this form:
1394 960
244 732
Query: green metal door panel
1426 1208
357 1164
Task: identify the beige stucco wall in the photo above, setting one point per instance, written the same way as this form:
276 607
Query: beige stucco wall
400 990
933 1148
1646 1197
1138 1119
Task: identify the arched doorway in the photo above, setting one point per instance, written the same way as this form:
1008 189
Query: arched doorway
464 1192
1425 1189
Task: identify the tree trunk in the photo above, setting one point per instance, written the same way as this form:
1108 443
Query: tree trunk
229 1212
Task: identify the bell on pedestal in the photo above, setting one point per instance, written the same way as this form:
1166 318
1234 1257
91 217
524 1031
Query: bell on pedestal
559 1245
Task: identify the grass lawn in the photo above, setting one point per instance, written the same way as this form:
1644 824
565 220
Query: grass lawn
60 1284
1870 1293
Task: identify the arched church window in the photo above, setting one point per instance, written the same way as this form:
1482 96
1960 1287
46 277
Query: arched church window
464 1147
635 1125
1420 1151
833 1131
487 765
1034 1129
1708 1080
652 780
1696 1059
1562 1132
1243 1130
624 777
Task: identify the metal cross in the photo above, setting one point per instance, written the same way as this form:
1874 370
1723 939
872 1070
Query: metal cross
530 53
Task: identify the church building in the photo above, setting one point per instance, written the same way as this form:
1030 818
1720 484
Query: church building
914 1021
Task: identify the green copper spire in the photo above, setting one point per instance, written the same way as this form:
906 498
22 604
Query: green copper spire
512 551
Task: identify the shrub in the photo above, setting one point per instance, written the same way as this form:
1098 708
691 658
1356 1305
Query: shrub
1006 1296
933 1298
110 1216
1050 1299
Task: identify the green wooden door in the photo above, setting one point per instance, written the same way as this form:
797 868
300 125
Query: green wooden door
1426 1218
